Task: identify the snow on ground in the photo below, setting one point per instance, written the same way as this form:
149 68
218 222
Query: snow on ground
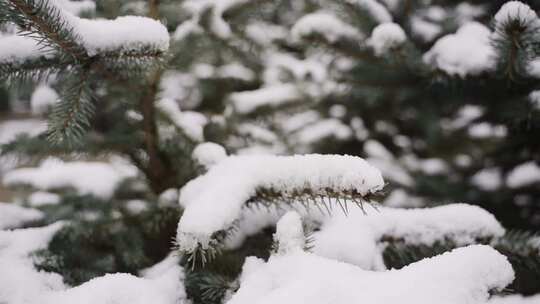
464 275
467 52
96 178
234 180
13 216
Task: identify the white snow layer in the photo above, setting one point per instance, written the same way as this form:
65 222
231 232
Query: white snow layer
289 234
13 216
386 37
208 154
523 175
164 287
42 198
16 49
326 25
214 200
126 33
376 10
464 275
43 98
515 10
248 101
467 52
21 283
191 123
96 178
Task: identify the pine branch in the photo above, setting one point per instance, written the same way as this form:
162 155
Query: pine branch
70 117
44 21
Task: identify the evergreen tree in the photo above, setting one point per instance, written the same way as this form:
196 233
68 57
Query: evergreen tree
441 96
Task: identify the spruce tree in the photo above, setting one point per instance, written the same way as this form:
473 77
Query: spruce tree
153 102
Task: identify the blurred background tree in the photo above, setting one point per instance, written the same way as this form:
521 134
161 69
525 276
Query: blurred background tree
440 95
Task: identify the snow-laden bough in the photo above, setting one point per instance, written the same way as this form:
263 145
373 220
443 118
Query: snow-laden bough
214 201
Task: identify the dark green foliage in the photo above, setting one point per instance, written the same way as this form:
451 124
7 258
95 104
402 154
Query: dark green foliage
515 245
104 237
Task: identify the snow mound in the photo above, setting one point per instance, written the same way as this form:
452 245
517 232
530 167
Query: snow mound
12 216
20 282
214 200
43 98
515 299
208 154
515 10
467 52
165 288
386 37
464 275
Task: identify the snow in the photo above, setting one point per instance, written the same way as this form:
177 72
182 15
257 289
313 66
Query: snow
513 10
42 198
326 25
322 129
248 101
459 223
17 49
486 130
165 288
96 178
10 129
289 235
376 10
20 282
43 98
214 200
464 275
190 122
385 37
489 179
426 30
208 154
523 175
265 33
77 7
125 33
467 52
12 216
